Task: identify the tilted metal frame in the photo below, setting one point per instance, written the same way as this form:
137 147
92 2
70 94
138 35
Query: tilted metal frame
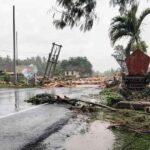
52 61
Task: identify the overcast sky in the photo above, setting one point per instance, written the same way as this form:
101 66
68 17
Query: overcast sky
36 32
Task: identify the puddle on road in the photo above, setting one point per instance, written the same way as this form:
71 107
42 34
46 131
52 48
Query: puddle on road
57 140
77 134
97 138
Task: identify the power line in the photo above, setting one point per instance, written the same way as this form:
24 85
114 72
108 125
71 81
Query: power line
5 50
38 53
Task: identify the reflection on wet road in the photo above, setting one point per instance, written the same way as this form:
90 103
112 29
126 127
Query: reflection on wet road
45 127
12 100
28 128
97 138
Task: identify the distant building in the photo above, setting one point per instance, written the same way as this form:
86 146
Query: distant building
6 68
72 71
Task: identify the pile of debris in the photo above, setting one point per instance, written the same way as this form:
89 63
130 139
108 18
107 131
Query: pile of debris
55 82
76 103
128 119
135 100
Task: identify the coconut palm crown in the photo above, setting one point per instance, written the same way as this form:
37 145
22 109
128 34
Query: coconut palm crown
128 25
123 4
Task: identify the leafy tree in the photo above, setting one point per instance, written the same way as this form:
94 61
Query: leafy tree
82 63
76 13
128 25
58 70
7 78
38 61
119 48
123 4
82 13
119 55
141 45
111 72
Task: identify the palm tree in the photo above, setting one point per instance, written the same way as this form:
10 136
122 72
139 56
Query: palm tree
82 13
128 25
141 45
123 4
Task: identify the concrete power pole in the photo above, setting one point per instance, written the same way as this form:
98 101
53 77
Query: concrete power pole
14 46
17 53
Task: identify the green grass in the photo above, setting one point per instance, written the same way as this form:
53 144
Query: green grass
7 85
131 141
125 138
111 95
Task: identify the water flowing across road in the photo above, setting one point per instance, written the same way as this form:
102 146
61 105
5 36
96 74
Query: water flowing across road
24 126
13 100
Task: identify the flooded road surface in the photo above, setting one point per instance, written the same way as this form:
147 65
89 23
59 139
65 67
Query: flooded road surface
77 134
25 129
12 100
57 141
48 127
97 138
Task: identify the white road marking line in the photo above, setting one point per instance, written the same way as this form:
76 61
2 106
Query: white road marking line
15 113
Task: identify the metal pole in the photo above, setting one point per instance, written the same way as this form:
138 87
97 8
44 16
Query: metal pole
60 46
50 68
47 66
16 48
52 62
16 54
14 45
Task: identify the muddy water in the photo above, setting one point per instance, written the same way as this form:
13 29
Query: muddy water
56 141
13 100
97 138
77 134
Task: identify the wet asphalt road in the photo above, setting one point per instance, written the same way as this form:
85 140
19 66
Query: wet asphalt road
8 96
23 128
27 128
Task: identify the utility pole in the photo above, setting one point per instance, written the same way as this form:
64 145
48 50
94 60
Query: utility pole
14 46
16 53
56 60
48 62
52 60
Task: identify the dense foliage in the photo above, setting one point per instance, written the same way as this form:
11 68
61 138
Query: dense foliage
82 13
123 4
111 96
80 63
129 25
76 13
7 63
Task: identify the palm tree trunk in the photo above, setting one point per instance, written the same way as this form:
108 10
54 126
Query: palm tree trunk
137 40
